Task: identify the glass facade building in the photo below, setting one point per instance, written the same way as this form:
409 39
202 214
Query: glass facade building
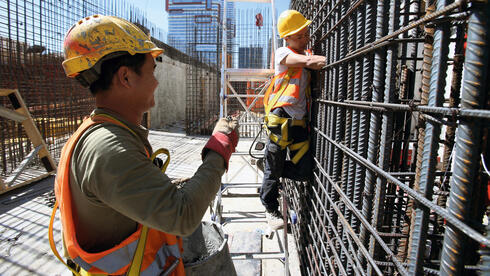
194 27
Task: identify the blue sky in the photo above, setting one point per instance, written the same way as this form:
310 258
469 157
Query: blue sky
155 9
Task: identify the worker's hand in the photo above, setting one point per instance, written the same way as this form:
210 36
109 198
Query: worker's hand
224 139
316 62
227 126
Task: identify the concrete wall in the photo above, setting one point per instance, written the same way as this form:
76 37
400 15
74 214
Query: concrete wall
177 73
170 95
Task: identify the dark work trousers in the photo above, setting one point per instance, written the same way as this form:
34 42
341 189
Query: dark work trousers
276 165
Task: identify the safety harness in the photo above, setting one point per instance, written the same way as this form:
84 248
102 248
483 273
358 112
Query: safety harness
287 80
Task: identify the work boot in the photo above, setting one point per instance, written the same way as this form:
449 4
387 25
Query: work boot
260 164
274 219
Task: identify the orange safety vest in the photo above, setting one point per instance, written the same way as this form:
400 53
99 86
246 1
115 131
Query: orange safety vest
287 85
160 249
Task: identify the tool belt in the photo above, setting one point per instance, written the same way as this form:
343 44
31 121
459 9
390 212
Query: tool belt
272 121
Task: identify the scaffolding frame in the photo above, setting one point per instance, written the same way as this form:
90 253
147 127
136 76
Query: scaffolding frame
229 75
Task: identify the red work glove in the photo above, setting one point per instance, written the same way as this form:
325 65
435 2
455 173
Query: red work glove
224 139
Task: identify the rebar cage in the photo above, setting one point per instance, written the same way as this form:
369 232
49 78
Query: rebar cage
203 47
400 121
195 28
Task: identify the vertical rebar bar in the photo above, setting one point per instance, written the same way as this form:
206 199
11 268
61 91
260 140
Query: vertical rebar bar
355 184
330 118
431 143
340 94
386 128
468 137
407 91
351 46
454 101
375 123
366 95
424 92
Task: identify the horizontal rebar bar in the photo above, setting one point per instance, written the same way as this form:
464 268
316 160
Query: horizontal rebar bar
386 107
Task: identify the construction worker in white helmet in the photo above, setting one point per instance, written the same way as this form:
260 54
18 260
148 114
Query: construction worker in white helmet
120 214
287 103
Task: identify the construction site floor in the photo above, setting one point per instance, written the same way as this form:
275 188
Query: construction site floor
25 214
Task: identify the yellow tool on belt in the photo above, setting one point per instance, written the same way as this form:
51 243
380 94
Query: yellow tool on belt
272 120
135 267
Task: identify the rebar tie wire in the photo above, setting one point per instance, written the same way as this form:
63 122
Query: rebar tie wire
484 165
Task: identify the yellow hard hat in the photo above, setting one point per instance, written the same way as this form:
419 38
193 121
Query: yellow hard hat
291 22
94 37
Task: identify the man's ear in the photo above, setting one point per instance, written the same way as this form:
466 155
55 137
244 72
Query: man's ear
122 76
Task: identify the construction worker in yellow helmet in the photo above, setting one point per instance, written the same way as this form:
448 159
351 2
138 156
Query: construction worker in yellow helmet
120 214
287 106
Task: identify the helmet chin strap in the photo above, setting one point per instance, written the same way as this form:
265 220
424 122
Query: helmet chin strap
87 77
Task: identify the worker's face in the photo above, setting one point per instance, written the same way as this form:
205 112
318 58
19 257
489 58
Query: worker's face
145 84
299 40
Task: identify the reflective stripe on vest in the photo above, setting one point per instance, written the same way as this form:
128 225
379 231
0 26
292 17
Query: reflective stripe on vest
291 81
161 249
113 262
161 259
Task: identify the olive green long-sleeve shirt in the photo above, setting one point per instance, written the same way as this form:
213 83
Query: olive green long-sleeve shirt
114 186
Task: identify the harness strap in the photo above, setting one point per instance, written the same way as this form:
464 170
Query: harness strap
85 273
282 140
135 268
302 147
274 120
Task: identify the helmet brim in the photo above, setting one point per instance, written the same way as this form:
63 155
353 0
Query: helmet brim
307 23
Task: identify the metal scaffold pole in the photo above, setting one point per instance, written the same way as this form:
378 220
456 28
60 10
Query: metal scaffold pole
224 38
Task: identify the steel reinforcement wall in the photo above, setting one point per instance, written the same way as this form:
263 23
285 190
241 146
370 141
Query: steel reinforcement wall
400 123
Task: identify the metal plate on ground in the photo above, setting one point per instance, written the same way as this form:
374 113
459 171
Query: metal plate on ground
246 242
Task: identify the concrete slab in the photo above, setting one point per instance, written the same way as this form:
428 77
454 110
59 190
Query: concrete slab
24 244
